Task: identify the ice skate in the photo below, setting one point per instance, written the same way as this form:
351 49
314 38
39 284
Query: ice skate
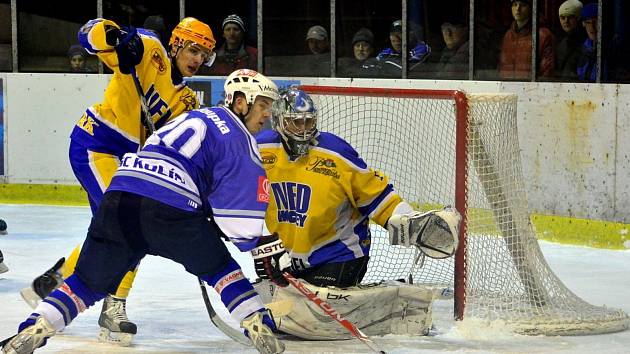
3 228
3 267
115 326
30 338
261 334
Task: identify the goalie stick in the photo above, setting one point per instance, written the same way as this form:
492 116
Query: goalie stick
324 306
216 320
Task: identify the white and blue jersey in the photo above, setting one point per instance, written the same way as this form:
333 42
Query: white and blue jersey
204 160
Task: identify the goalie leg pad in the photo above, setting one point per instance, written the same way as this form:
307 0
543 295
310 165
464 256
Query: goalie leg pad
377 309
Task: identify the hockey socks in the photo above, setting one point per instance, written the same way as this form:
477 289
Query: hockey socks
237 293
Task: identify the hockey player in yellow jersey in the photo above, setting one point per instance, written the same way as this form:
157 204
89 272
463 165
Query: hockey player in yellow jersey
322 198
113 127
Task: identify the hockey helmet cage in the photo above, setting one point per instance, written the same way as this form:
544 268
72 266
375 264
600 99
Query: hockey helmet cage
251 83
295 119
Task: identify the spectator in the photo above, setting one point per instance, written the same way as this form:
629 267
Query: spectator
78 59
453 63
317 62
363 44
515 62
317 40
587 63
487 48
362 49
234 54
155 24
390 59
570 46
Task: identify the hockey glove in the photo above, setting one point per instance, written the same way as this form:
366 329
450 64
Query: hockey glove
50 280
128 46
435 233
270 259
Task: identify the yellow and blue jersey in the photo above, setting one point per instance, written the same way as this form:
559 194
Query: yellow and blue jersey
320 204
114 126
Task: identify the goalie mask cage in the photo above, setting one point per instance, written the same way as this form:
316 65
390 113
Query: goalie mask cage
445 147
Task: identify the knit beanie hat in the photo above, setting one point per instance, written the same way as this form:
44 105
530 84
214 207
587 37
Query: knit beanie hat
589 11
76 49
236 19
570 8
364 35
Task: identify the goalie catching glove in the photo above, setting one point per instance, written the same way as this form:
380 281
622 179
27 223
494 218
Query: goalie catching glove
435 233
270 259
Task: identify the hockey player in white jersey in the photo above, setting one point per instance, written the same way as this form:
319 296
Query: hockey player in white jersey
204 163
322 197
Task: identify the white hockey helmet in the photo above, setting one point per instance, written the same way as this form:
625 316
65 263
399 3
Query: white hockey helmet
250 83
295 119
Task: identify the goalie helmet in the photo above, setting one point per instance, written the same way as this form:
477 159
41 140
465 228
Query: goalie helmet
295 119
251 84
191 31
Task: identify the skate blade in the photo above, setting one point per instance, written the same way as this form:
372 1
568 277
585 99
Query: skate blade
117 338
3 268
30 297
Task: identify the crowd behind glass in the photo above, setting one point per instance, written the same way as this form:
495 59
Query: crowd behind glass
417 39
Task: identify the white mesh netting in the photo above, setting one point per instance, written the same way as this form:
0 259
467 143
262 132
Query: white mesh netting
412 139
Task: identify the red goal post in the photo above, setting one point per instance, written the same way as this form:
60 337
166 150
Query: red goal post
449 147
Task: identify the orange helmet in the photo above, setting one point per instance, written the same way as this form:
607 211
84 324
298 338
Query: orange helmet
191 29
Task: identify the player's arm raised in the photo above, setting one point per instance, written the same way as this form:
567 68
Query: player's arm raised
119 48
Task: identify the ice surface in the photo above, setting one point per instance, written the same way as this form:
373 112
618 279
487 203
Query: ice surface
167 306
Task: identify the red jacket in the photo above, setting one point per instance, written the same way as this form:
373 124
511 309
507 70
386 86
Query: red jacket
516 53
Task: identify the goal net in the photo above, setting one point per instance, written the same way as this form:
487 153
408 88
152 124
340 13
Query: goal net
442 147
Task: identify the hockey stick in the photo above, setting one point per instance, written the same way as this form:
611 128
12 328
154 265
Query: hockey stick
216 320
146 116
324 306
